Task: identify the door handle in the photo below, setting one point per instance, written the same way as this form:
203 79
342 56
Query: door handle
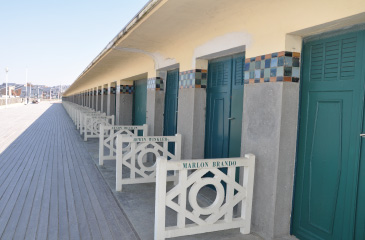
362 135
232 118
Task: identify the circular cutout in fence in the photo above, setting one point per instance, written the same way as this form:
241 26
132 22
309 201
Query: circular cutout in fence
126 147
143 158
150 160
204 190
193 194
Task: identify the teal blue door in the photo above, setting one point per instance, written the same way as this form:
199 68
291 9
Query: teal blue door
105 100
99 99
327 173
171 96
140 101
224 107
113 98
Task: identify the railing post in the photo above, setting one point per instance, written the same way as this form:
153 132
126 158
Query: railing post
145 130
119 164
101 145
178 156
178 147
85 128
246 204
160 209
183 175
231 173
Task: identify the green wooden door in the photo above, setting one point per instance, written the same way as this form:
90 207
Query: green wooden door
105 100
224 107
170 113
99 99
140 101
171 96
235 128
113 102
329 142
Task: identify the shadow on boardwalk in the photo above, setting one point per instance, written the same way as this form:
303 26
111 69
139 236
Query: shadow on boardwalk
50 189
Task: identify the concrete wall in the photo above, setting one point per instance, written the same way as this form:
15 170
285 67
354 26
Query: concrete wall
191 122
155 109
269 130
126 109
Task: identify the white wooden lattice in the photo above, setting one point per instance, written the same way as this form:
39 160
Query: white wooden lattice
134 159
75 111
84 115
92 125
192 177
107 139
79 113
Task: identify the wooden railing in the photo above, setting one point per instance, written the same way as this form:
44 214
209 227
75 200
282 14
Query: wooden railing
183 197
135 158
107 139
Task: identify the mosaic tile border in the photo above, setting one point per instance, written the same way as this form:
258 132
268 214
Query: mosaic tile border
195 78
126 89
99 92
274 67
155 83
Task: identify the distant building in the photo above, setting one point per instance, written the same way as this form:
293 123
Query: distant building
32 91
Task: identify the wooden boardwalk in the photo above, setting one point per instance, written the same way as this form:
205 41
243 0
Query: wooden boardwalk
49 186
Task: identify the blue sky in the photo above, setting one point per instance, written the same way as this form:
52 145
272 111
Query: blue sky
56 40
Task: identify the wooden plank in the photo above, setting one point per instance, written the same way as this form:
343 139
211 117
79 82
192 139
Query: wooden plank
50 187
24 215
83 223
90 215
15 191
70 199
37 202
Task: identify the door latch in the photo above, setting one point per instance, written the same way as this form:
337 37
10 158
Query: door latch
232 118
362 135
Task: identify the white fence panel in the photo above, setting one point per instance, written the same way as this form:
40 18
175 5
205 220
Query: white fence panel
79 113
74 111
92 125
107 139
83 115
192 177
134 159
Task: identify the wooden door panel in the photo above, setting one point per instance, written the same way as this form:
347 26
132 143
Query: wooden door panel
140 101
330 123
